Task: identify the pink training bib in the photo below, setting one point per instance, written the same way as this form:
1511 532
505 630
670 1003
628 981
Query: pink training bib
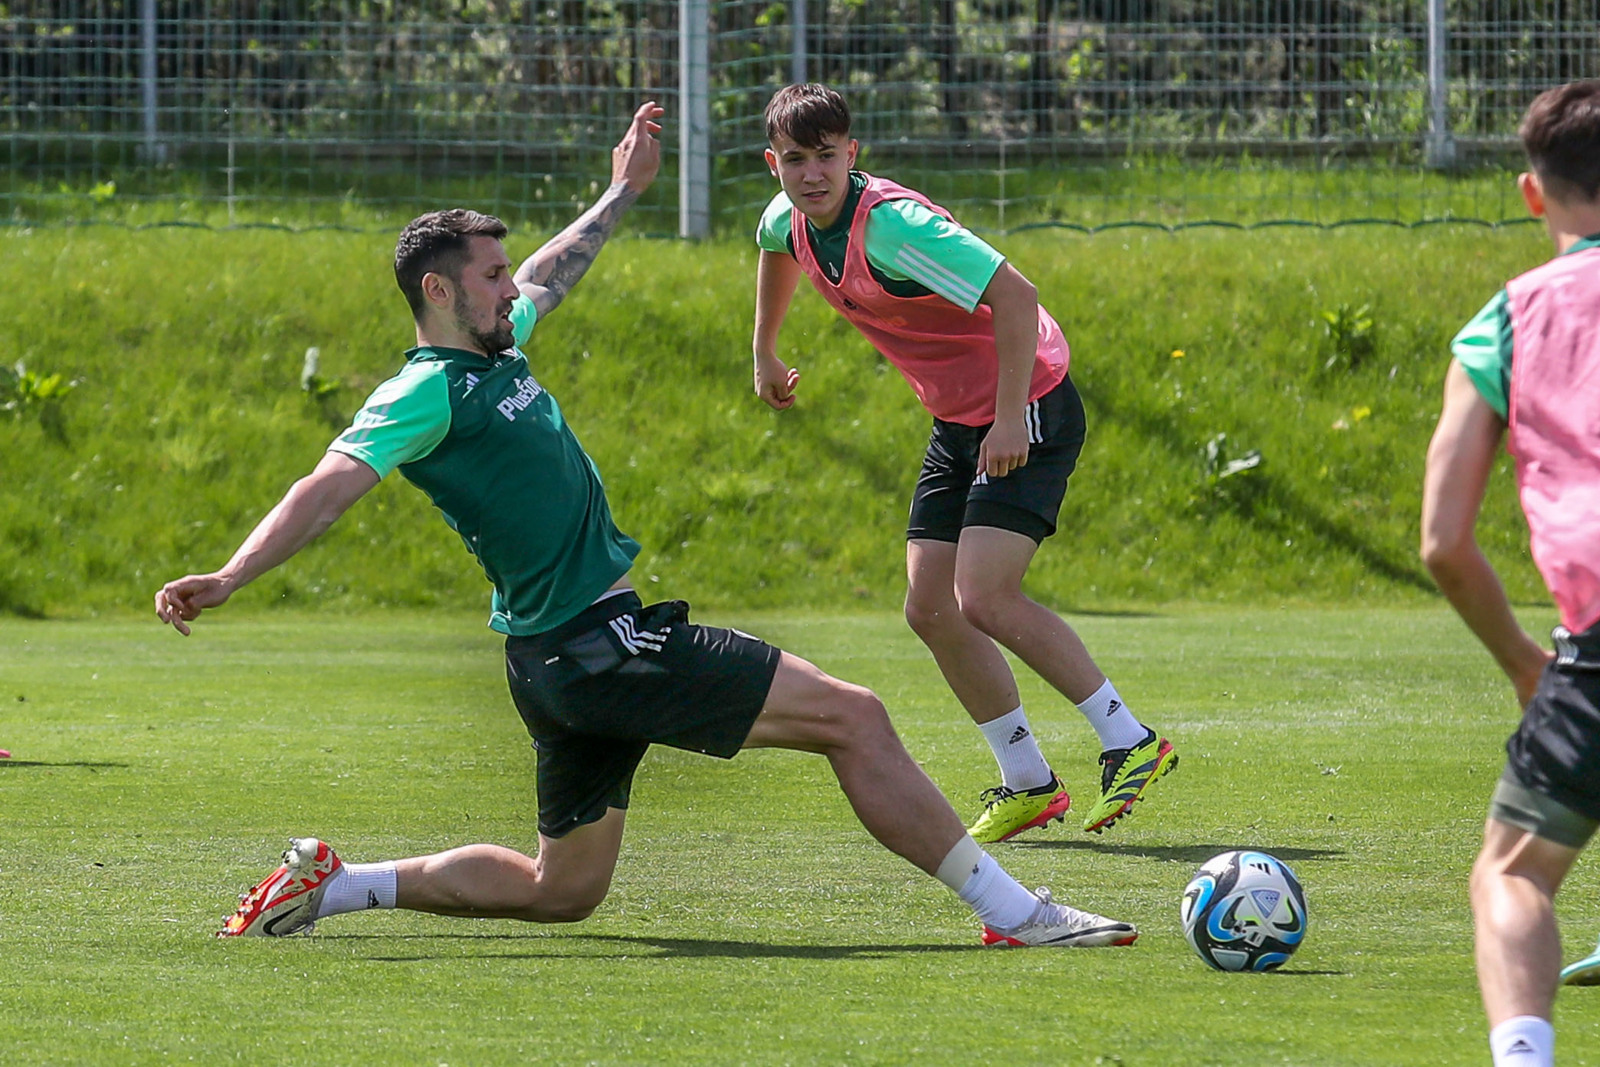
945 352
1554 411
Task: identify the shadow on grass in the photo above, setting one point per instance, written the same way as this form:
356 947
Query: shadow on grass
6 764
630 947
1185 853
1271 504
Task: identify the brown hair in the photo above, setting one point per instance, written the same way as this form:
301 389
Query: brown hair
1561 134
437 243
807 114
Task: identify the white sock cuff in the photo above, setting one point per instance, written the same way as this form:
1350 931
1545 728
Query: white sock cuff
360 887
961 864
1099 702
1523 1041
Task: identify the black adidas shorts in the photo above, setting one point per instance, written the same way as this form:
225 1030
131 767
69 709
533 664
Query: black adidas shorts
597 691
1555 752
952 493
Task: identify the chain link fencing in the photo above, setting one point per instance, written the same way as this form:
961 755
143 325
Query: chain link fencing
1012 112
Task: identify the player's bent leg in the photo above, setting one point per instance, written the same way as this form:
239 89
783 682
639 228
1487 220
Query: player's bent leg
975 669
1517 944
565 882
990 565
809 710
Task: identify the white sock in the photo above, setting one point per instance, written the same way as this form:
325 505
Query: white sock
1111 719
1523 1041
358 887
1022 765
998 898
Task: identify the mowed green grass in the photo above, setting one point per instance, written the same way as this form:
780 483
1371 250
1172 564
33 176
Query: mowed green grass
751 920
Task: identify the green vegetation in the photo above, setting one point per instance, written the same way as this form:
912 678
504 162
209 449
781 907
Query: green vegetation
189 417
155 776
1041 190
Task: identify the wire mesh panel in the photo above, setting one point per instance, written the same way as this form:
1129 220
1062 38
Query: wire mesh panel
320 108
1014 111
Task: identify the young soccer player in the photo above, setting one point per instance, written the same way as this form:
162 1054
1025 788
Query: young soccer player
1527 368
596 675
990 365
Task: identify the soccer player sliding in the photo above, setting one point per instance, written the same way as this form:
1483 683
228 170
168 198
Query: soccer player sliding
597 676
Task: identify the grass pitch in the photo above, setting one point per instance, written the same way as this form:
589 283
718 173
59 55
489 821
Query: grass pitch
752 920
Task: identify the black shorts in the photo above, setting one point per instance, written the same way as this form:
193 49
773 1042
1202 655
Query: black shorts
598 691
953 494
1555 752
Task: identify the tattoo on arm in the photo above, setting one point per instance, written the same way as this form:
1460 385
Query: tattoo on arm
556 267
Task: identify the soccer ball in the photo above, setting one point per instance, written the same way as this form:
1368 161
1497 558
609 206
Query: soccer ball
1244 911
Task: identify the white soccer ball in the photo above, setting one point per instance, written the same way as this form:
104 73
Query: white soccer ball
1244 911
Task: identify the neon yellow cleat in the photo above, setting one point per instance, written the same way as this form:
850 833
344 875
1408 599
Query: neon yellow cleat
1125 773
1008 812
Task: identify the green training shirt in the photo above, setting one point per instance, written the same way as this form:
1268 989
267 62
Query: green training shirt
1483 347
909 248
490 447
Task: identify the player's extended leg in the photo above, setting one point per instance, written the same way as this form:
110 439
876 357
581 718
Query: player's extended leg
893 797
900 806
1518 947
565 882
990 565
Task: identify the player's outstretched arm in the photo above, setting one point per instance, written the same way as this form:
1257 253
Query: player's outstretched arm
776 277
551 272
309 507
1460 458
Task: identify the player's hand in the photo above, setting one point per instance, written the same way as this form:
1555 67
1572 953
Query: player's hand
775 382
637 156
180 602
1004 448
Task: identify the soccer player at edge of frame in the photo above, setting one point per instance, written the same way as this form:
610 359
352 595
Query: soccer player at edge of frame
966 330
1527 368
596 676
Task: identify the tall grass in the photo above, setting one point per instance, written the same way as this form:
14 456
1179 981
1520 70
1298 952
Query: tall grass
189 420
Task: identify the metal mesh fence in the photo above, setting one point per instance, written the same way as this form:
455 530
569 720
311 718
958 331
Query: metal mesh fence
1085 111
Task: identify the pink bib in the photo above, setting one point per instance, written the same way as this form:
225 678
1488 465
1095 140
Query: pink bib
1554 411
945 352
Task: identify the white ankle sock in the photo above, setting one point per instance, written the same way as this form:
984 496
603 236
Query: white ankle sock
999 899
1111 719
1022 765
358 887
1523 1041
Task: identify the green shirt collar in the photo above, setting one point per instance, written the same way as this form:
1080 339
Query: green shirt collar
1588 242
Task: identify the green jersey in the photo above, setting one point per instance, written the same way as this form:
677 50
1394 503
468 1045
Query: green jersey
910 250
490 447
1483 347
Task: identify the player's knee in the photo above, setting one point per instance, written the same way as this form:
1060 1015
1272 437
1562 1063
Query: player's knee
984 609
565 904
857 718
927 618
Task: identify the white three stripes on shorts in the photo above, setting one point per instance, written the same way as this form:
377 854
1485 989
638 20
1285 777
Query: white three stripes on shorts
636 640
1035 424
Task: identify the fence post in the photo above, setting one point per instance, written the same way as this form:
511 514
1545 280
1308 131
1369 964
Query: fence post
153 151
694 129
797 43
1440 148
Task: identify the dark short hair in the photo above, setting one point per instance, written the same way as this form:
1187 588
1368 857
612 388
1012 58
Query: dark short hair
1561 134
807 114
437 243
